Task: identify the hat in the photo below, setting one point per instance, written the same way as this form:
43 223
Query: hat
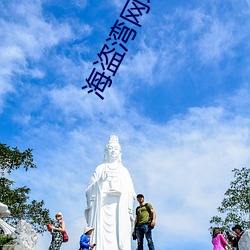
237 227
59 213
140 195
87 229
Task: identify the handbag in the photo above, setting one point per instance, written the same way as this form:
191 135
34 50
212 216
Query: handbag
65 236
49 227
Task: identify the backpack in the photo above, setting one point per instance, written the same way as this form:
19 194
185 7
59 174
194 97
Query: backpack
149 212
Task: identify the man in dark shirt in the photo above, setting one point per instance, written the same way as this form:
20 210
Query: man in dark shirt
239 231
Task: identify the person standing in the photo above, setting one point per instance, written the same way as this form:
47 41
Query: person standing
218 240
239 231
85 239
143 225
56 231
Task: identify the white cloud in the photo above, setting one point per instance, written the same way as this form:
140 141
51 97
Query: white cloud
32 33
217 42
140 67
239 101
190 34
81 3
169 45
198 20
119 4
25 35
71 100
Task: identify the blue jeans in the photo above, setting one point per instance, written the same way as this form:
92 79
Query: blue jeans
142 230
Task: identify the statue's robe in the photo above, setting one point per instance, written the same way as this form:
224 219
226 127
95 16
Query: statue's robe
110 197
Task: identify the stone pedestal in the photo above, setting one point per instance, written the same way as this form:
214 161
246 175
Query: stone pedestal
244 242
13 247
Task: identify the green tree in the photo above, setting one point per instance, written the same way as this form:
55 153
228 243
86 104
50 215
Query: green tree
235 207
17 199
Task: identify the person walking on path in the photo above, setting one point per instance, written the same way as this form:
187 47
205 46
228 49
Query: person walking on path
85 239
144 223
219 241
56 231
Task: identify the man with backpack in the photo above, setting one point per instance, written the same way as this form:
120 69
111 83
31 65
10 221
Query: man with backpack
144 223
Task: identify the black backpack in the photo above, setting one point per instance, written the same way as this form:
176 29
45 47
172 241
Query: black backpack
150 218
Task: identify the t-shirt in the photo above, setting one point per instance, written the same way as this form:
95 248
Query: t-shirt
142 214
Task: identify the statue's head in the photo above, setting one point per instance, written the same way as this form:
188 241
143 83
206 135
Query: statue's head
113 150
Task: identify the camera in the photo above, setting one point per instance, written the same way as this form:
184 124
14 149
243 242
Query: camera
134 235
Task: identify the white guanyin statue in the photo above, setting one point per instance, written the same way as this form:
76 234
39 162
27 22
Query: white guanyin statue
110 197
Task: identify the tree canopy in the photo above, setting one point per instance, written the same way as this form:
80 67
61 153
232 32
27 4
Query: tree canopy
12 159
235 207
17 199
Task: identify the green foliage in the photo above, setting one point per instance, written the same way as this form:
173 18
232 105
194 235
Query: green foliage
235 206
6 240
12 159
17 199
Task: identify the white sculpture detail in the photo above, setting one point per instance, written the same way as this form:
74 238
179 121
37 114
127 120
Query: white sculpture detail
244 242
4 212
110 197
23 234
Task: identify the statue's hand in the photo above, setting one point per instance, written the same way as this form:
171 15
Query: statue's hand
90 202
104 176
132 217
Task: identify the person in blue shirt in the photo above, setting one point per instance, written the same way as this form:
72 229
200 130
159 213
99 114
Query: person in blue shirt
84 240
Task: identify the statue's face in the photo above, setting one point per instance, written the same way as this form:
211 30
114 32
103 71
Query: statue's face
114 150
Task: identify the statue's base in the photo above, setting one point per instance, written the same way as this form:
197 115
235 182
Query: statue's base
13 247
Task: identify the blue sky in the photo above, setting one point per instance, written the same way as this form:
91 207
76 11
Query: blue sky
179 103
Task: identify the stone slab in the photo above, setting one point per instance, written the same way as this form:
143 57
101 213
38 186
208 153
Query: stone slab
13 247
